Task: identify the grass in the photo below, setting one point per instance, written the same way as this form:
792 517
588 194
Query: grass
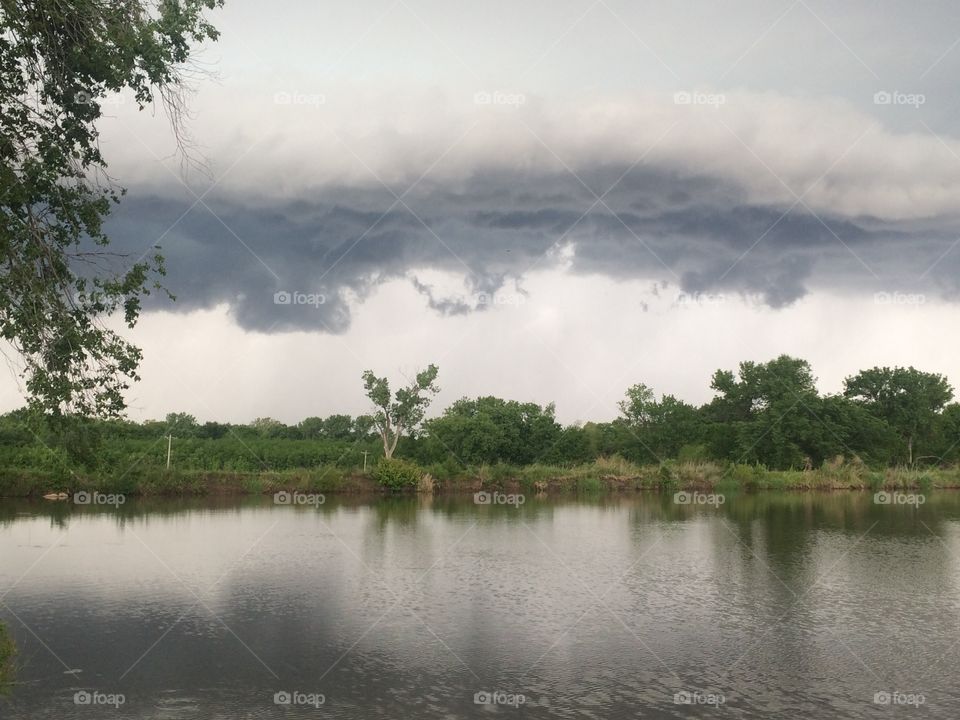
184 482
603 474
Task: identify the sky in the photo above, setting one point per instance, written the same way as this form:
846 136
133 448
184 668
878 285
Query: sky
550 200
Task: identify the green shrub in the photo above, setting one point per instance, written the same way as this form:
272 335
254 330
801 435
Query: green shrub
778 480
589 483
326 479
745 475
397 474
252 484
666 474
693 454
449 469
875 479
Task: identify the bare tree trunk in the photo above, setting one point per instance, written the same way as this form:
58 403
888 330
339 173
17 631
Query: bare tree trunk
396 438
910 450
385 437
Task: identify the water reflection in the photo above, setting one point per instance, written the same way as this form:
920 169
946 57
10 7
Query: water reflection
804 605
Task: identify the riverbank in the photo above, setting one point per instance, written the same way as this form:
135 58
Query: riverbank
602 475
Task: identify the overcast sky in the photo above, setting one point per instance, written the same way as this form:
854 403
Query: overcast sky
552 200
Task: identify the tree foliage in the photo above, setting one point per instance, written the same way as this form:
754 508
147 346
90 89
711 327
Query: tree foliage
907 399
659 428
491 430
402 412
59 60
768 414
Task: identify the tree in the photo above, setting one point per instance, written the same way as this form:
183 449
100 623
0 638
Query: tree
948 434
907 399
660 428
58 61
402 412
268 427
181 424
363 427
212 430
572 446
766 413
311 428
851 427
673 425
338 427
637 407
490 430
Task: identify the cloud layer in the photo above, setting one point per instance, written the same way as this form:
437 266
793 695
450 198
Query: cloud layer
768 198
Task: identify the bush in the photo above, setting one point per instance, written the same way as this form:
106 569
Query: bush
397 474
694 454
449 469
589 484
747 476
666 473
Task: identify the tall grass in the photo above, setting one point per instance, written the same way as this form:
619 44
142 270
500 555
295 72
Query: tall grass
605 473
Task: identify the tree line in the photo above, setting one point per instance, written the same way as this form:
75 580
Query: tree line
768 413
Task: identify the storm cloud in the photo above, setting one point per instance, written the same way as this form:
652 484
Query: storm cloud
548 200
302 264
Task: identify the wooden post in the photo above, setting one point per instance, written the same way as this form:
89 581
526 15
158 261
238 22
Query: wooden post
365 453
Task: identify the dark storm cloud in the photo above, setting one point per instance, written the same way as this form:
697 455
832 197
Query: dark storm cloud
283 265
444 306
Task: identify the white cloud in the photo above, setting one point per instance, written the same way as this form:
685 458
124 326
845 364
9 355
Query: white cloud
576 341
774 147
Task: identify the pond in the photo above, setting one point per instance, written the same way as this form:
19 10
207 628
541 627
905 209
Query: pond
749 606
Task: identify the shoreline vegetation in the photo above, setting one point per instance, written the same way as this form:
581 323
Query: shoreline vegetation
767 428
602 475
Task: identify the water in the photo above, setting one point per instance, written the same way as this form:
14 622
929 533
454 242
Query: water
770 605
